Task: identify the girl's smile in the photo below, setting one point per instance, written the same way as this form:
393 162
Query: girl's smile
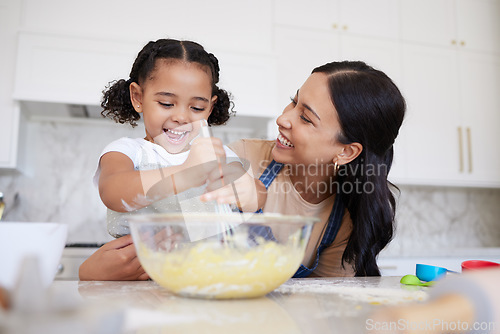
171 99
175 136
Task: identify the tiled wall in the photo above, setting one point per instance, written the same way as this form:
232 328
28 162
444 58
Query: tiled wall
60 159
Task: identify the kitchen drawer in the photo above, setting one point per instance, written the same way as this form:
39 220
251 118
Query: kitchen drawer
71 260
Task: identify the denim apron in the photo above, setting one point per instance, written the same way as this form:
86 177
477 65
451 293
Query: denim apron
334 220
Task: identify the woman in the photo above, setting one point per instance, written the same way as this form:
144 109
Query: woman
331 160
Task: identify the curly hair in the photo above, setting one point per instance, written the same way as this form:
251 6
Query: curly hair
116 103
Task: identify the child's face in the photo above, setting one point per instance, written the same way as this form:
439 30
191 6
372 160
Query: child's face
171 99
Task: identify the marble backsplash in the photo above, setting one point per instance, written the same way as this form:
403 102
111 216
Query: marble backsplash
59 159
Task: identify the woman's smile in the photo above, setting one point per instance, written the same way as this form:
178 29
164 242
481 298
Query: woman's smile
283 142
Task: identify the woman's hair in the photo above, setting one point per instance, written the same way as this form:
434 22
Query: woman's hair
116 102
370 110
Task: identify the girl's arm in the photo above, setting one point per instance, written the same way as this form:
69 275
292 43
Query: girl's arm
122 188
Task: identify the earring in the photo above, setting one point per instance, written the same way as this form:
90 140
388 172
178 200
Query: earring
336 167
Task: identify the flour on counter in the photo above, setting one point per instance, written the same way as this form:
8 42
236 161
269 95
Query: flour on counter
371 295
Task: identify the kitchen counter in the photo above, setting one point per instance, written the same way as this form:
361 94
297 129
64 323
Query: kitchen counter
313 305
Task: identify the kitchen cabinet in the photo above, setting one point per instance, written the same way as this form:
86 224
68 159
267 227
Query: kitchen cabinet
480 106
68 69
443 61
75 65
75 70
299 50
346 16
237 26
469 24
9 110
450 60
452 122
452 118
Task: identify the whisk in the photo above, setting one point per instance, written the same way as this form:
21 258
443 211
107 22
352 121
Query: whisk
226 226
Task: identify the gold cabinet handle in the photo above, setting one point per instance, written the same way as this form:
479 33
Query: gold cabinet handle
344 27
469 148
462 43
335 26
460 151
453 42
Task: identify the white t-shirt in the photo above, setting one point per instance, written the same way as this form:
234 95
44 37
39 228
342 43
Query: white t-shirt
146 156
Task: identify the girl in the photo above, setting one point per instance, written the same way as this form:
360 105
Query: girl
173 84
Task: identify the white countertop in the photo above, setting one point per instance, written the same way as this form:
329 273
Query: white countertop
313 305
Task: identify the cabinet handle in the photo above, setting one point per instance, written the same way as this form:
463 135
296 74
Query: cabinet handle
344 27
453 42
460 150
469 149
335 26
462 43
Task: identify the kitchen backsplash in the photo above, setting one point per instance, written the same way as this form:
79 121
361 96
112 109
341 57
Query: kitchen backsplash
60 158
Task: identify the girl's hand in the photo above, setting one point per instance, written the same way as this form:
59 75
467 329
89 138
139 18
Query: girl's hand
232 184
115 261
204 158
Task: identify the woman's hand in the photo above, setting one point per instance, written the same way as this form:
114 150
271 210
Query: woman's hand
115 261
232 184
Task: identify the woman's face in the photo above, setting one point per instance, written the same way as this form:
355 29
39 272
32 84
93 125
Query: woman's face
172 99
308 126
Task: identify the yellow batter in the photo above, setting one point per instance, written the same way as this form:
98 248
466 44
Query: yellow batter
210 270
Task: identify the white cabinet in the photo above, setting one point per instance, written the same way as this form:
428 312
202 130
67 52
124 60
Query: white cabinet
480 106
374 18
442 55
68 69
76 70
452 122
9 110
478 25
430 22
348 16
100 42
219 24
470 24
452 86
430 86
300 50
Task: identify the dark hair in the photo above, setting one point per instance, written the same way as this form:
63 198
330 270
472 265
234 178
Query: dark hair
116 102
371 110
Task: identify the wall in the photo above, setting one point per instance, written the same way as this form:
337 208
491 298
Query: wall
61 158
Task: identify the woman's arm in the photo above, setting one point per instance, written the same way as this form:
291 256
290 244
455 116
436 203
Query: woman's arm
115 261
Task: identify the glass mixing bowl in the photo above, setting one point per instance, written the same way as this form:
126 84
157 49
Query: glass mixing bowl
220 256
